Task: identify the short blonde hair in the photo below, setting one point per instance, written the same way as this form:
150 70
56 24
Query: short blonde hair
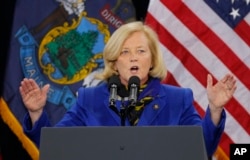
114 45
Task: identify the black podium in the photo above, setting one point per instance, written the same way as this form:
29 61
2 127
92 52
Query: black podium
123 143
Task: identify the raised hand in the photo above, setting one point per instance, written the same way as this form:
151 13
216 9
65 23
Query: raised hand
34 97
219 94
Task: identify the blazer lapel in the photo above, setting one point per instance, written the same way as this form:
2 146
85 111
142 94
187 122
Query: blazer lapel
152 110
105 103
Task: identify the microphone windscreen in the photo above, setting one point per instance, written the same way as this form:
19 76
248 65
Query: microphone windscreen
134 80
114 80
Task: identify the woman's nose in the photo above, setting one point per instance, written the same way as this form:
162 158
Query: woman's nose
133 57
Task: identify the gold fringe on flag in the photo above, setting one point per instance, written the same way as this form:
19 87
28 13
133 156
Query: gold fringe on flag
220 154
16 128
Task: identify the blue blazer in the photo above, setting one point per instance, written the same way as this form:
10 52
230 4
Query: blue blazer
171 106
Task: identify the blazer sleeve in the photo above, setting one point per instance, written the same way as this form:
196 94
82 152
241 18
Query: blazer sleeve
34 132
69 119
212 133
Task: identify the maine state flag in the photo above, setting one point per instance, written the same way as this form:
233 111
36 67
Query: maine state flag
59 42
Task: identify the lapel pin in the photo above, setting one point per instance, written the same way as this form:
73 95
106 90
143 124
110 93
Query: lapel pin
156 107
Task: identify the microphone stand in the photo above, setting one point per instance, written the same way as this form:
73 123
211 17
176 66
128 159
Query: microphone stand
123 113
113 107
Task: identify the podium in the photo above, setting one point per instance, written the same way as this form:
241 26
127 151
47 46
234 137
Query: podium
123 143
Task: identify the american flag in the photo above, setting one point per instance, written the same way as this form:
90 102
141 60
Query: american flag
208 36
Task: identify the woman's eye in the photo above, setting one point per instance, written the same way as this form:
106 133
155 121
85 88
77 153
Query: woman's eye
124 52
141 51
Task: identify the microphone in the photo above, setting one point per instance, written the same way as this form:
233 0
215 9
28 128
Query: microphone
133 86
114 85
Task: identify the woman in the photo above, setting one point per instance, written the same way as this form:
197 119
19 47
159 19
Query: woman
133 50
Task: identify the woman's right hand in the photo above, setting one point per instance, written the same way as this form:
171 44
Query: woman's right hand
34 97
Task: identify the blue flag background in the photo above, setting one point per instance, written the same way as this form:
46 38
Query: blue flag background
39 28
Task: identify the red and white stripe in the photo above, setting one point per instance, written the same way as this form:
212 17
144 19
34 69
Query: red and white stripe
196 41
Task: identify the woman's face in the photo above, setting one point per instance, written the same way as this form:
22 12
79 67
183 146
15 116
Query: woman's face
135 58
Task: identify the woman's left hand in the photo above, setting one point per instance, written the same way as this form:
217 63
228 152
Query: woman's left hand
219 94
